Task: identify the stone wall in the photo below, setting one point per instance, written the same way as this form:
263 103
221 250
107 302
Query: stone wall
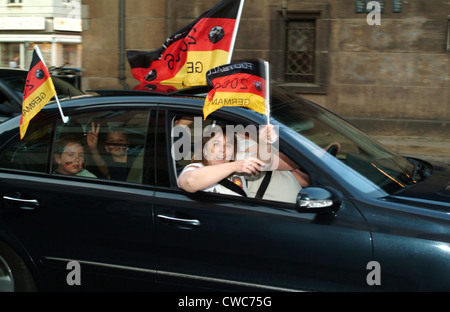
390 79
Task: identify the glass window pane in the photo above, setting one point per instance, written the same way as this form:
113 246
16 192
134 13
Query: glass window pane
31 153
300 51
113 143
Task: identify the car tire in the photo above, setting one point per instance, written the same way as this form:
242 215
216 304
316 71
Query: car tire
14 274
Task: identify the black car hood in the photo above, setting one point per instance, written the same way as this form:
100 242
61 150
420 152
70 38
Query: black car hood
433 191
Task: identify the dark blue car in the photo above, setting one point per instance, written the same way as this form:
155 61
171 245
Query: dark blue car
370 220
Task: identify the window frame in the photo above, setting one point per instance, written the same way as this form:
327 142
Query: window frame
320 13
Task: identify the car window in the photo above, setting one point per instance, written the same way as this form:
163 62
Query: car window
358 151
16 83
114 144
7 106
30 153
63 88
186 147
50 146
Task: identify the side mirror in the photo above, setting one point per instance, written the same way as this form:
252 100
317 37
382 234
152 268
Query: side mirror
318 200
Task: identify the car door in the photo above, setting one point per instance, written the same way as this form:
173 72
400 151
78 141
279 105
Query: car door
105 226
216 241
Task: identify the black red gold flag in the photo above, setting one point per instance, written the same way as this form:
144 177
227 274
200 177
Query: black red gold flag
240 84
188 54
38 91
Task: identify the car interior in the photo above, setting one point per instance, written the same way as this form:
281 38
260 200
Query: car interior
32 153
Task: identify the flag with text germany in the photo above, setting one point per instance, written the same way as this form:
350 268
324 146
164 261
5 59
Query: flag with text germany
240 84
188 54
38 91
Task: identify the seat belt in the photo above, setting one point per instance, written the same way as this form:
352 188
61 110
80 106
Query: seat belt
233 187
263 187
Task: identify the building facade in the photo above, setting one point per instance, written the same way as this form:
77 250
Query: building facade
54 25
386 70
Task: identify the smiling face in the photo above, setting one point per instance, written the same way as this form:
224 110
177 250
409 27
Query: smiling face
71 159
116 144
218 150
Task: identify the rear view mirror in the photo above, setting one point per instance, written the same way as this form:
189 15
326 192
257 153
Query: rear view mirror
318 200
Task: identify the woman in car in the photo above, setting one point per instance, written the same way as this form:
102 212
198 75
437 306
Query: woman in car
217 170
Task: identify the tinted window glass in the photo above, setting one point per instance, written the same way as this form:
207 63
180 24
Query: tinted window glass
31 153
7 106
111 145
387 170
63 88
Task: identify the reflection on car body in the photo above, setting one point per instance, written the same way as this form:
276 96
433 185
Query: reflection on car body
365 204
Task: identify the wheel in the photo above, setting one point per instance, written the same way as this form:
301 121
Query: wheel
14 275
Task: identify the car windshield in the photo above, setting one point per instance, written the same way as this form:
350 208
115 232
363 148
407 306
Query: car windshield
387 170
63 88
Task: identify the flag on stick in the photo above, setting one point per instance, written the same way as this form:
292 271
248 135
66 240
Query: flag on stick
188 54
38 91
242 84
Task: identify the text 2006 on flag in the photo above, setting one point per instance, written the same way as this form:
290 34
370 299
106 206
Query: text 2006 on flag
188 54
242 84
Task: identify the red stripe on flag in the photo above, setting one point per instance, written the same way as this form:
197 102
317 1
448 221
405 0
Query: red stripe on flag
200 39
36 77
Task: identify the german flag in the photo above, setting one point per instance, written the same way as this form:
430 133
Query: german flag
240 84
38 91
187 55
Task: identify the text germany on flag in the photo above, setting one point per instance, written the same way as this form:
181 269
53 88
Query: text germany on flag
38 91
187 55
240 84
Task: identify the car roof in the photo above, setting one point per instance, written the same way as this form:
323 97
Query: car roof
195 91
7 72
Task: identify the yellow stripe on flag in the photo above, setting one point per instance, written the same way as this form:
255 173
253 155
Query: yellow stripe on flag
197 64
239 99
34 103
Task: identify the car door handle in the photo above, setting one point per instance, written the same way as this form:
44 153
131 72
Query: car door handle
179 221
25 204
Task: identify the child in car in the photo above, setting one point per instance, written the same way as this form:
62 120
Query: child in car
70 157
116 164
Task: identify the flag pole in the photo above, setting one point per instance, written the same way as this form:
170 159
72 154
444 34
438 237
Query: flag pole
64 118
233 40
267 95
